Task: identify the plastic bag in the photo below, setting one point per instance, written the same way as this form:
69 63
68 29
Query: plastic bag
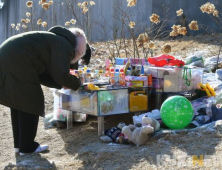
155 114
218 98
209 102
196 59
161 60
211 63
219 74
49 121
80 117
203 103
165 60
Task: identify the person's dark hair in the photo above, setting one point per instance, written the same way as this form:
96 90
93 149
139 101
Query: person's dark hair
74 66
86 58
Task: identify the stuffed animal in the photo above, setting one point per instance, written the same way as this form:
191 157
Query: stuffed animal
141 135
122 139
113 133
196 79
153 122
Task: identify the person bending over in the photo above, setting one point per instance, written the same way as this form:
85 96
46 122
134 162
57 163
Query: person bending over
28 60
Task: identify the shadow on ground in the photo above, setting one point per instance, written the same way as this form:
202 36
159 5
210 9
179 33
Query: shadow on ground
30 162
96 154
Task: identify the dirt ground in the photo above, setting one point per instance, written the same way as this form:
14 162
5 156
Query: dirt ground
80 147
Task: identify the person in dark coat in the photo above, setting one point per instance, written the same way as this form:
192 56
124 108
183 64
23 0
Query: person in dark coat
28 60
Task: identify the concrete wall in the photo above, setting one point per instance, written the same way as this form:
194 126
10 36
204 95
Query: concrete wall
103 21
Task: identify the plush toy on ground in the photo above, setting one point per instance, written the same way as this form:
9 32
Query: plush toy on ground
141 135
114 134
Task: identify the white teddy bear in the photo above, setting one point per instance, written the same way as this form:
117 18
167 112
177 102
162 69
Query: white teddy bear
141 135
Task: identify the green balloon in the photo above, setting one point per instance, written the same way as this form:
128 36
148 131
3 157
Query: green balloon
176 112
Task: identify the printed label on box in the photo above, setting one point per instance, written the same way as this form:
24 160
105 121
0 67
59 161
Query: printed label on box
113 102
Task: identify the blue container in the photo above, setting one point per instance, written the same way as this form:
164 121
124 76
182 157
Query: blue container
121 61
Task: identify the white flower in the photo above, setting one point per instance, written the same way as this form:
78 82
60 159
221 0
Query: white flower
24 26
13 25
92 3
28 14
132 24
29 4
67 23
179 12
72 21
27 20
44 24
39 22
17 28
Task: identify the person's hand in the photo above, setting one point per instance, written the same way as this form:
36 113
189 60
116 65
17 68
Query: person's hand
81 80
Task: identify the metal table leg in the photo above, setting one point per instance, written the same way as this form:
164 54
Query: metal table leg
69 119
158 100
100 126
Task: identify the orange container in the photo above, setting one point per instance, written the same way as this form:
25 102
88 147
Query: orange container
150 80
138 101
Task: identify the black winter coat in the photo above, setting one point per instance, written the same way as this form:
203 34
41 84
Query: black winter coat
30 59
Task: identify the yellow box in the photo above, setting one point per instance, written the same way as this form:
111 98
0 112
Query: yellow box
138 101
136 83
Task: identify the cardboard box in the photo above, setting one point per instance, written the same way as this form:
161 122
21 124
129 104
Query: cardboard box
173 79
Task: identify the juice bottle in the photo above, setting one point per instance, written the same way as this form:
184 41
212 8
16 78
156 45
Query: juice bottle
107 73
112 79
116 76
107 63
150 80
88 76
101 73
128 72
85 68
82 75
96 75
122 78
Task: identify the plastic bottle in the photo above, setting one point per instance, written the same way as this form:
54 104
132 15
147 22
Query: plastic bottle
150 80
85 68
128 72
122 77
117 76
112 79
107 73
96 75
82 75
88 76
101 72
107 63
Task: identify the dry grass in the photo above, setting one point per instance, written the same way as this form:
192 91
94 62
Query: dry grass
182 47
80 148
